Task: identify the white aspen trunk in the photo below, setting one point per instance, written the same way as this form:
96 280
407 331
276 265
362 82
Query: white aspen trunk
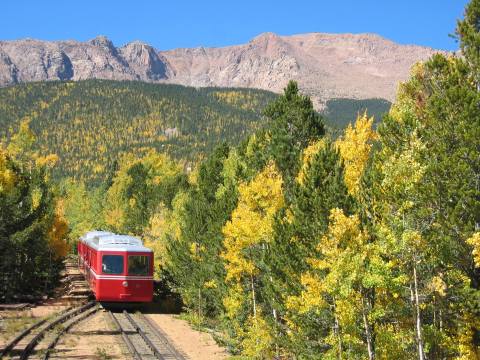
336 331
274 311
253 298
199 303
368 333
197 253
440 320
418 320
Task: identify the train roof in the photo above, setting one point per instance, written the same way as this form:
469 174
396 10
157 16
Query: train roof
91 234
107 241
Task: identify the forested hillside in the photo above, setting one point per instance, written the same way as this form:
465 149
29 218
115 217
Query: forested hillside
341 112
88 124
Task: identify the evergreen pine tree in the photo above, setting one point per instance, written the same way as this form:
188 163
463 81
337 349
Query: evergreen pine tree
293 125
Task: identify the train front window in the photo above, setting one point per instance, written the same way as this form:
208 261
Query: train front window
112 264
138 265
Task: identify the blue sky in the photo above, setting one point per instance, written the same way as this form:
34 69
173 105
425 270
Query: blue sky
175 23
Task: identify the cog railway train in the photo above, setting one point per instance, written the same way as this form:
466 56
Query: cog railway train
118 268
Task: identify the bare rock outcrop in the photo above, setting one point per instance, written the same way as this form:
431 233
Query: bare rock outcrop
35 60
8 70
144 61
97 58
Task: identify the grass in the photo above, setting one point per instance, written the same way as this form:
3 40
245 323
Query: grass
101 354
17 322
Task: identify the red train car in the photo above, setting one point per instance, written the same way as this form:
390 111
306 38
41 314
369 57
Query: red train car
117 267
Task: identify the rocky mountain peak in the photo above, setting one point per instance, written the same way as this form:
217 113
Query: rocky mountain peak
326 66
265 37
102 41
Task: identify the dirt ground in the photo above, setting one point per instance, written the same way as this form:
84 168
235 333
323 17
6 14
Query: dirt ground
91 339
195 345
13 322
46 310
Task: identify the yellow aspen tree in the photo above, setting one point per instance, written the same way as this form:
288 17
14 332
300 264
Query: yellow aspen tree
57 236
402 175
257 338
474 241
21 143
337 281
247 235
158 226
7 175
251 224
355 148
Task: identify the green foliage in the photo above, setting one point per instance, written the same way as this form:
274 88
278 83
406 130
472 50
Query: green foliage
292 245
341 112
296 237
372 253
139 188
28 263
293 124
83 208
194 252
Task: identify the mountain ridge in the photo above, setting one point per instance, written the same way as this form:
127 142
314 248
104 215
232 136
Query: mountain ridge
326 66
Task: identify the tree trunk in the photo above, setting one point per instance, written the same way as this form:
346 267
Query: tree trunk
253 297
199 303
336 331
368 332
418 321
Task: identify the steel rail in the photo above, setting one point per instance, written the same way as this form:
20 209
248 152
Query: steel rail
163 337
125 338
37 338
8 347
75 320
144 336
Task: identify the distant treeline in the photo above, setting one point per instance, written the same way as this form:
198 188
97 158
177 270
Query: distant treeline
340 112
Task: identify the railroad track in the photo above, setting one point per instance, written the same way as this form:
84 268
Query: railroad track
143 339
73 287
48 330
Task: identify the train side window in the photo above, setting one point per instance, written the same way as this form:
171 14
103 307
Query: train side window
112 264
138 265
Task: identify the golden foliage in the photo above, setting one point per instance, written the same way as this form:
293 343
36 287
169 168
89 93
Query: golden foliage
466 338
403 171
90 123
474 241
22 141
234 300
7 175
48 161
252 221
57 236
340 251
354 149
258 339
159 167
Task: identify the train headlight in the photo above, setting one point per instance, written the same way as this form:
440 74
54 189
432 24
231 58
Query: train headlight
125 284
